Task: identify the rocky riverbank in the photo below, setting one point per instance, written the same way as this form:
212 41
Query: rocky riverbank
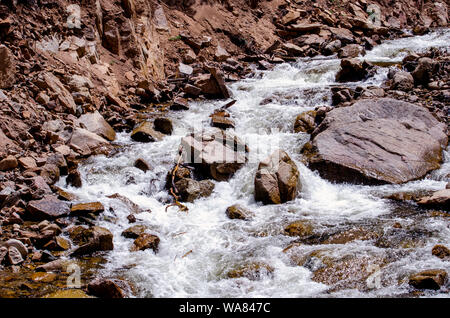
70 82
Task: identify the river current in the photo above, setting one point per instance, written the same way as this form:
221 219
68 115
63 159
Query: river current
200 247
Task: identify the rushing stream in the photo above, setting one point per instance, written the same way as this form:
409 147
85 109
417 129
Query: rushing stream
200 247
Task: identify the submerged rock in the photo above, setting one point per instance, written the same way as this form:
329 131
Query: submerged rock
134 231
253 271
441 251
377 141
276 179
299 228
429 279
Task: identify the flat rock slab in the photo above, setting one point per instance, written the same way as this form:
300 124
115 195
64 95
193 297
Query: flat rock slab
47 208
377 141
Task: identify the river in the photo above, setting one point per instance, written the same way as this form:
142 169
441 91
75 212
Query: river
200 247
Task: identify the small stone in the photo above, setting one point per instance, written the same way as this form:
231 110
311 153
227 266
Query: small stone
14 256
146 241
429 279
142 164
238 212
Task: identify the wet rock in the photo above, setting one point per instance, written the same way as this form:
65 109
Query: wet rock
64 195
17 245
134 231
221 54
8 163
402 81
190 190
352 70
222 122
146 241
429 279
441 251
105 288
253 271
86 142
7 67
145 133
43 277
47 208
377 141
50 173
62 244
143 165
99 239
237 211
163 125
57 265
299 228
424 71
351 51
14 256
218 153
27 163
305 122
439 199
276 179
350 236
68 293
95 123
74 178
81 209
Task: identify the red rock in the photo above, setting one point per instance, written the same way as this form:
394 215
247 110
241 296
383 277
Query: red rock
47 208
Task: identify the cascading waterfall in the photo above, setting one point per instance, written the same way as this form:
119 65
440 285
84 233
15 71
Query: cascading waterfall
198 248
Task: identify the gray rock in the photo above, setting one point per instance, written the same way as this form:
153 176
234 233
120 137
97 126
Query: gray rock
377 141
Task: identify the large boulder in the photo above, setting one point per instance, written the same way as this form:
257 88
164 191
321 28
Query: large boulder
352 70
145 133
86 142
94 122
47 208
377 141
276 179
97 239
218 153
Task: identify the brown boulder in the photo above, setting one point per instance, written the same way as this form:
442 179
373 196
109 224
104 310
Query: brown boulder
237 211
7 68
218 153
95 123
352 70
439 199
143 165
276 179
377 141
134 231
305 122
145 241
441 251
99 239
105 288
8 163
163 125
190 190
403 81
145 133
299 228
351 51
